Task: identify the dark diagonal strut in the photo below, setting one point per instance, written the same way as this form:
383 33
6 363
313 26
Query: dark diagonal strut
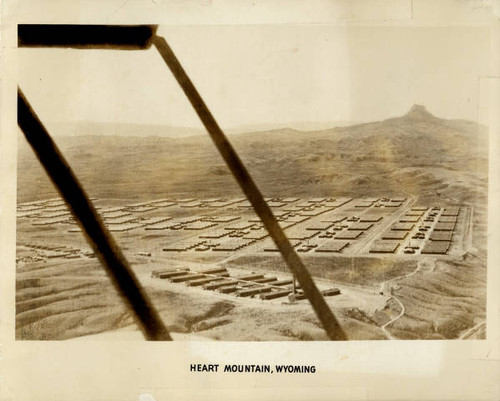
141 37
97 235
252 192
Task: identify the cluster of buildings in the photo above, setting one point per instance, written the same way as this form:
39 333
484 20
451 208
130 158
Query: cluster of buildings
317 226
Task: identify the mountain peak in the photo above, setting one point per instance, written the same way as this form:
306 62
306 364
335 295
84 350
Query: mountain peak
418 112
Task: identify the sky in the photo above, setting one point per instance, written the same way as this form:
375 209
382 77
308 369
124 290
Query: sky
266 74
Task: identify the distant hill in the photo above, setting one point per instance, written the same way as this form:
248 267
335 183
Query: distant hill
84 128
417 153
142 130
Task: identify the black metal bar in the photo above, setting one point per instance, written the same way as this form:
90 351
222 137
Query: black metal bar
325 315
97 235
122 37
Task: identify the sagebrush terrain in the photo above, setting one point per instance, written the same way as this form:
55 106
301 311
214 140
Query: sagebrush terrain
419 155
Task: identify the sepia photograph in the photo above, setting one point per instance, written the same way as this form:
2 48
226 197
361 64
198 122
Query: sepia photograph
367 145
249 200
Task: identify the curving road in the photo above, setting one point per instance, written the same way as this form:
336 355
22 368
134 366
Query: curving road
472 331
402 312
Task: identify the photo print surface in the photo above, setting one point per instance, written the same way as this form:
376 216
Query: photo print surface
368 145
